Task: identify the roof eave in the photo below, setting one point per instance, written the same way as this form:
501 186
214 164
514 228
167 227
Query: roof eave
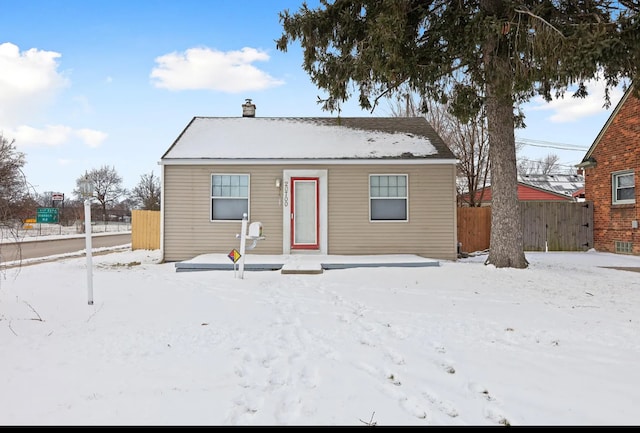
587 163
300 161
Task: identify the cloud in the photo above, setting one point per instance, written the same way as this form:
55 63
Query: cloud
55 135
29 80
570 109
204 68
91 137
51 135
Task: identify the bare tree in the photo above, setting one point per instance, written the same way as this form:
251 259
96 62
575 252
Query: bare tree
107 187
549 164
15 201
146 195
467 140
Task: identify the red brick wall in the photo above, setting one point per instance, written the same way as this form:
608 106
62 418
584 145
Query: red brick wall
618 149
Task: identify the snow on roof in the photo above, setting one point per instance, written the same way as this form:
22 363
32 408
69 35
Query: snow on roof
300 138
565 184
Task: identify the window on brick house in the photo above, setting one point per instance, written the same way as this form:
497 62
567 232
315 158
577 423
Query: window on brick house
624 190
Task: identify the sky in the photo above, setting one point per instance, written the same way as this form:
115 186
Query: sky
457 344
87 84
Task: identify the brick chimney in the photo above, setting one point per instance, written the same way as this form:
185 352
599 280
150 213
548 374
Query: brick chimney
248 109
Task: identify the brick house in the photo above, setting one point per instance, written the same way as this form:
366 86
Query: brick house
611 166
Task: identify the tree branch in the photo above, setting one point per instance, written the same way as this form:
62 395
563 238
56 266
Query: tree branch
526 12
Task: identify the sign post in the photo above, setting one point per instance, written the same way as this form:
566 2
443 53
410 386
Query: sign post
86 188
234 255
58 197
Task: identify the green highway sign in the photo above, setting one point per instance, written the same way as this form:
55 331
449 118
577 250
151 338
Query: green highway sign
47 215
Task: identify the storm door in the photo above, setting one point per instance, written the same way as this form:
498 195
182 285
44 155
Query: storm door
305 225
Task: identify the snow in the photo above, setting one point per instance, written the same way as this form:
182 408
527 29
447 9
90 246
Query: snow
291 138
461 343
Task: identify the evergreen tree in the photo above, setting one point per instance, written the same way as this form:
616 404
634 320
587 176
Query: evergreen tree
506 51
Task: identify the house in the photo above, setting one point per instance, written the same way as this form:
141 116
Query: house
611 166
567 185
339 186
538 187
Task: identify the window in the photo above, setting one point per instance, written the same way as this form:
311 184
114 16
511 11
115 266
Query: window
623 188
229 196
624 247
388 197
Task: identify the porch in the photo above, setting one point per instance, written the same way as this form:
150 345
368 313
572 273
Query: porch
302 263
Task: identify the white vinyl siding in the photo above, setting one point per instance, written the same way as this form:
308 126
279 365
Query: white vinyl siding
624 191
229 196
388 197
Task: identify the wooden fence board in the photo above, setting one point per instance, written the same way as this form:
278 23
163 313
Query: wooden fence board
145 230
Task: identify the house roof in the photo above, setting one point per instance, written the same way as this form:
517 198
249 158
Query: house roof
588 161
565 184
308 138
541 187
525 193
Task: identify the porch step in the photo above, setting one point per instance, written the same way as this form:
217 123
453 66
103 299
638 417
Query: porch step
301 268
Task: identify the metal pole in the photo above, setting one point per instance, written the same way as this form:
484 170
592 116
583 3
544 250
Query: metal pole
87 230
243 242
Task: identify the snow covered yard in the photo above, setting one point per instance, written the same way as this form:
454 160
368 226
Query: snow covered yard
459 344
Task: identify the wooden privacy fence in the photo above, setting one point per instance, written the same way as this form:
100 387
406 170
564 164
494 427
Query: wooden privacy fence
474 228
546 225
145 230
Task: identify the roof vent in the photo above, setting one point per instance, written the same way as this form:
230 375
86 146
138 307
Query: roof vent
248 109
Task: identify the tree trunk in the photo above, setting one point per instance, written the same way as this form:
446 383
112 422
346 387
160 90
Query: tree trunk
506 249
506 243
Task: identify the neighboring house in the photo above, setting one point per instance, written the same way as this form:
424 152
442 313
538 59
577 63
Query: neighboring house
611 166
340 186
567 185
540 187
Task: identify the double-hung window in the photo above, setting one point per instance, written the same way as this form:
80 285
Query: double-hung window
624 190
229 196
388 197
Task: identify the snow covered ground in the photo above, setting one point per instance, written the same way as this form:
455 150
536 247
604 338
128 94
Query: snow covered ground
458 344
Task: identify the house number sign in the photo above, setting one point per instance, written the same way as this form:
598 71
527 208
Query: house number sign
286 193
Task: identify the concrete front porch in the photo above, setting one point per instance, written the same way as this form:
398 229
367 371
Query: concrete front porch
301 263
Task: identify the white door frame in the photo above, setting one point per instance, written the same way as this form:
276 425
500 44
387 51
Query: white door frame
286 211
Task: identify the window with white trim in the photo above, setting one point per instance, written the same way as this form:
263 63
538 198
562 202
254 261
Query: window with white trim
388 197
624 190
229 196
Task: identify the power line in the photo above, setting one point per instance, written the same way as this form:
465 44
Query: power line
556 164
551 145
